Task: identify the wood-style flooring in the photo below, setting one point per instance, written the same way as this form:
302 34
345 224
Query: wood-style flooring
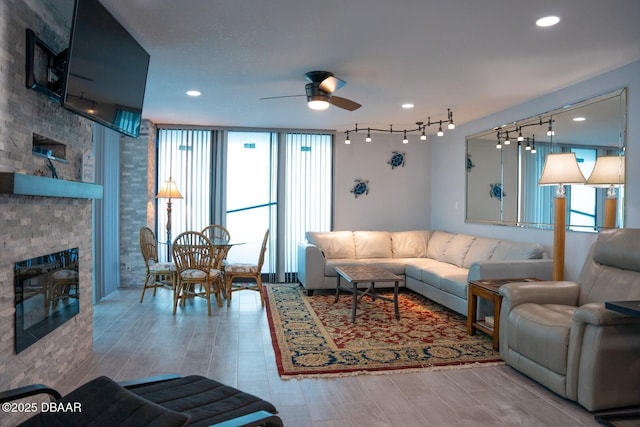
133 340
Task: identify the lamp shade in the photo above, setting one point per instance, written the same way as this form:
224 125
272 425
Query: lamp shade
608 171
169 190
560 169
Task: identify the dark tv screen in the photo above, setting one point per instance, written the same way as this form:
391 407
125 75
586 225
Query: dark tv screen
106 70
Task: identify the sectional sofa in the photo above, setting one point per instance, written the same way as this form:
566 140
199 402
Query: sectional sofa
436 264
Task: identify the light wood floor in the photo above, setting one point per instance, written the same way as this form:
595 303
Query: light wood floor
133 340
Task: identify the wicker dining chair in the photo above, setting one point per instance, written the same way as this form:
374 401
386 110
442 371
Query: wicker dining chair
195 257
159 275
217 234
246 271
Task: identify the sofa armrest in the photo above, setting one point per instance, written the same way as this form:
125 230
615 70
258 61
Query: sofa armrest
526 268
514 294
597 314
311 263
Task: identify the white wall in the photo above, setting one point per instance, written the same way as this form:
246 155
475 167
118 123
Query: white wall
448 159
401 194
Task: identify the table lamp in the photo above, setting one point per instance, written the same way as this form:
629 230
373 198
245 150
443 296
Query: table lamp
608 173
169 190
560 169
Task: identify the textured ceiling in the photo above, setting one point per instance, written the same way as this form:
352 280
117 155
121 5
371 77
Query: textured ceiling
475 57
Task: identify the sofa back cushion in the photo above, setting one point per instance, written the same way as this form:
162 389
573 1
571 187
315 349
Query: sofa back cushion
438 243
509 251
480 250
457 249
372 244
333 244
410 244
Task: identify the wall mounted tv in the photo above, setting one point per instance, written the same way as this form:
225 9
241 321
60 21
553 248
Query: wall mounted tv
103 73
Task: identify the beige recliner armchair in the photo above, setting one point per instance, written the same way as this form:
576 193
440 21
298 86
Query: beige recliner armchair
561 335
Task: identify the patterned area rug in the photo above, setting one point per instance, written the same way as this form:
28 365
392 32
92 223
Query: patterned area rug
313 336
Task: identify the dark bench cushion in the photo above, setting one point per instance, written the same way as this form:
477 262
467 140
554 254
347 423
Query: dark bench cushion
106 403
206 401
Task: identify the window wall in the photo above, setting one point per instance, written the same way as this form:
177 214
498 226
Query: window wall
249 181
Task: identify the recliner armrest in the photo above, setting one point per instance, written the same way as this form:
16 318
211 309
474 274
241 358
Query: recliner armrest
597 314
549 292
27 391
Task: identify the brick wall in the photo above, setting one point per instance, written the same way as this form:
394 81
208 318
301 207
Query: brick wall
137 200
33 226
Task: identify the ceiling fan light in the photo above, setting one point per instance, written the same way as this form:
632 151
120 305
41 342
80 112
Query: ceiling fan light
318 104
451 126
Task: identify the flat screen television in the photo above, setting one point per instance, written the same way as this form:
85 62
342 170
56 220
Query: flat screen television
106 70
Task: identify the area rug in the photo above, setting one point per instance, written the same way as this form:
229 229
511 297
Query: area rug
314 336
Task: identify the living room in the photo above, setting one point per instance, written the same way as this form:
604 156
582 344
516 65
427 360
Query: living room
432 198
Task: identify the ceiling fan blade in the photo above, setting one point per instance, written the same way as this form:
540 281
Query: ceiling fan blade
283 96
331 84
344 103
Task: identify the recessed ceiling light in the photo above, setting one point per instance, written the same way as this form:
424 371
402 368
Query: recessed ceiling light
193 93
579 119
547 21
407 105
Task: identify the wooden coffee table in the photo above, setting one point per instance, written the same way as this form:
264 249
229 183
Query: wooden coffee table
355 274
487 289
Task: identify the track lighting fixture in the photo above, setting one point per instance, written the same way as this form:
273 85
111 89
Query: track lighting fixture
503 134
421 127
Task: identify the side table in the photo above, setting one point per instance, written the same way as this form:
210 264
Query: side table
487 289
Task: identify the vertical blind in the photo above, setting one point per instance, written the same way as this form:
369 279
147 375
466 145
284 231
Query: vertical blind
185 157
308 188
196 160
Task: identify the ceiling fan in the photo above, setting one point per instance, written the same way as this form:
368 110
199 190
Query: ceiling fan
319 92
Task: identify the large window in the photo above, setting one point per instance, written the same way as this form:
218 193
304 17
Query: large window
249 181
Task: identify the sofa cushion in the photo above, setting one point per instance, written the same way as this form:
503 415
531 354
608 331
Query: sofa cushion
409 244
395 265
372 244
457 249
508 251
455 282
438 243
333 244
434 274
331 264
415 266
481 249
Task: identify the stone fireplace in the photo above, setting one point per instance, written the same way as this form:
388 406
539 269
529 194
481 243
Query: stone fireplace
37 225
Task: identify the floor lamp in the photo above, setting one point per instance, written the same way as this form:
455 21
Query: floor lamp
169 190
560 169
608 173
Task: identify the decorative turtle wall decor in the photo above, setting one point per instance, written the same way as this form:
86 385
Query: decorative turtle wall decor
496 191
470 164
361 187
397 159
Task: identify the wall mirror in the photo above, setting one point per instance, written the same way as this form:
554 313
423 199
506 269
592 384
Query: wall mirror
504 165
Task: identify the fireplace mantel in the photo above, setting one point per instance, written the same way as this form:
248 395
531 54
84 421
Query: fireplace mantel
32 185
